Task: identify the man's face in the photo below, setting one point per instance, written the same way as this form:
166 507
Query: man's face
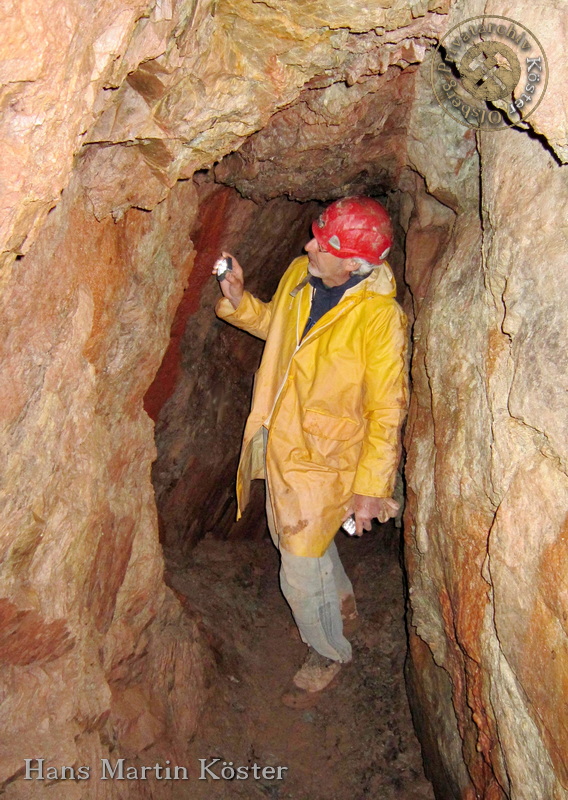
331 269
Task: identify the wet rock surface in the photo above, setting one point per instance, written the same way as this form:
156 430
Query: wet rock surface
357 741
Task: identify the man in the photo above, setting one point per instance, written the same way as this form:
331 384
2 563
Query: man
328 403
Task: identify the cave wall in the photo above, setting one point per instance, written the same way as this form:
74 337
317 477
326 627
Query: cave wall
199 424
106 116
177 83
97 655
485 524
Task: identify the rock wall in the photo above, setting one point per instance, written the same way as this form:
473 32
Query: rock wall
486 470
212 365
97 656
177 83
106 116
107 113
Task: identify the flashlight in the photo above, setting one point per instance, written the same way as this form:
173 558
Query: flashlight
222 266
349 526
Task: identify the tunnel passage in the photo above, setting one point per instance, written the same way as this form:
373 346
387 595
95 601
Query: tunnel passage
201 394
227 572
374 139
118 125
259 204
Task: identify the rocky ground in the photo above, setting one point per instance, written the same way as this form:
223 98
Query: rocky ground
358 740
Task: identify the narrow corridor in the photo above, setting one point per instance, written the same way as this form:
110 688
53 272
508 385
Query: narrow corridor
358 740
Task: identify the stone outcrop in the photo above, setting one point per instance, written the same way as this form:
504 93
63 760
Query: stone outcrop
486 472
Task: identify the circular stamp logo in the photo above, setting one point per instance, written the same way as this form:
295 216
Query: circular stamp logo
489 72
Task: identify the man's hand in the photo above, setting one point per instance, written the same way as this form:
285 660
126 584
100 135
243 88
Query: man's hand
233 284
368 508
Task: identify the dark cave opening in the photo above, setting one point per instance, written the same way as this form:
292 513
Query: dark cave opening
226 571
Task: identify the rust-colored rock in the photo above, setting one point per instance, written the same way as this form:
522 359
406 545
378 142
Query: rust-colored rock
27 638
321 136
201 394
88 612
486 471
111 108
55 59
105 116
182 82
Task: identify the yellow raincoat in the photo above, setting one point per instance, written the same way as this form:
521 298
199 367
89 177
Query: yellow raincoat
333 404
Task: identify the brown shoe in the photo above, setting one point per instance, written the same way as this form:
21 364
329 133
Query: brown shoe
316 673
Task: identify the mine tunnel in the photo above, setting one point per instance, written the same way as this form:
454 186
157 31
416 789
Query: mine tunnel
145 644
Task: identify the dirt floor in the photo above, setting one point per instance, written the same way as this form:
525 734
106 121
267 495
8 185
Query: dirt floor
357 741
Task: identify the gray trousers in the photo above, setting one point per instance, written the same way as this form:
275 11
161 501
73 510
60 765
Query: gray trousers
314 589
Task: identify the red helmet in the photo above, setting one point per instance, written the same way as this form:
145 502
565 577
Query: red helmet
355 227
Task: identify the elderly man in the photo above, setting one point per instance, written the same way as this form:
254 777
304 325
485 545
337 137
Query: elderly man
329 400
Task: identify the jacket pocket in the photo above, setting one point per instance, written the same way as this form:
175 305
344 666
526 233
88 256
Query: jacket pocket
328 426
